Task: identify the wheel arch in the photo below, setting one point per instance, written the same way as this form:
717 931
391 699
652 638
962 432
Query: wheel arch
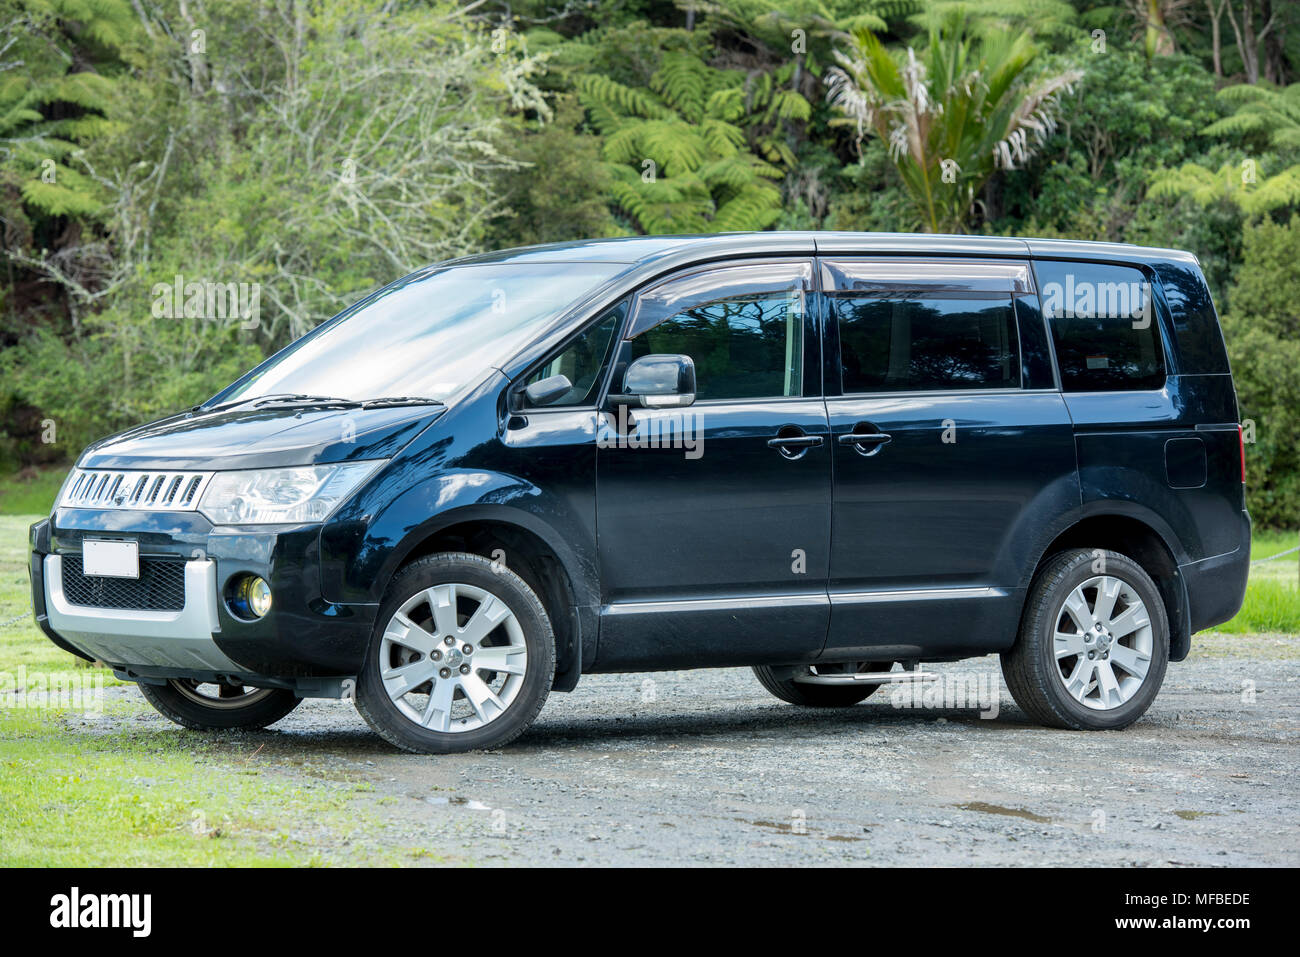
526 548
1141 541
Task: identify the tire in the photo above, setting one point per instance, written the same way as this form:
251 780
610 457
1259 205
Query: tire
1050 656
819 696
212 707
449 711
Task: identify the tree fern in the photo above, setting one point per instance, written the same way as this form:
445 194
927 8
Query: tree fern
697 152
1205 187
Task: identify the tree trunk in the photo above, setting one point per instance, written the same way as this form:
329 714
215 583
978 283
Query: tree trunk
1216 35
1247 45
1159 41
1274 47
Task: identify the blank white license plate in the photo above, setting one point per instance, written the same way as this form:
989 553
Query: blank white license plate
110 559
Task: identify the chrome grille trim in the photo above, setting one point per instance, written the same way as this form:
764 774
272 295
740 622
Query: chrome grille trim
155 491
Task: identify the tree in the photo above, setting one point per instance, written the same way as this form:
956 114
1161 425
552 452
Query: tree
1043 18
1156 20
678 153
1263 337
1269 118
313 152
951 117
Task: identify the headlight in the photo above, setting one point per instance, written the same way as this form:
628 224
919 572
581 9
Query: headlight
269 496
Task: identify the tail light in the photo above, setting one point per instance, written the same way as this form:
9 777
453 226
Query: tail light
1241 444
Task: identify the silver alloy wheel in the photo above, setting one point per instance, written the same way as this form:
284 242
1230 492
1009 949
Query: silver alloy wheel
212 694
1103 643
453 657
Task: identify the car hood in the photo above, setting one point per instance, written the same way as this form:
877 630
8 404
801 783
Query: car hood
261 438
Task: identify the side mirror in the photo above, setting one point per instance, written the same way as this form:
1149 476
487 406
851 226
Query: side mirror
659 382
548 390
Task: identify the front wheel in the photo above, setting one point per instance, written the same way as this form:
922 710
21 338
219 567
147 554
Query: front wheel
219 706
462 657
1093 644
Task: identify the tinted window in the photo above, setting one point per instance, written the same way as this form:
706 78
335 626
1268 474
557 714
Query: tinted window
744 346
1103 326
923 341
582 360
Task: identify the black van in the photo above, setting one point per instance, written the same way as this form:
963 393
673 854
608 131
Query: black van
822 455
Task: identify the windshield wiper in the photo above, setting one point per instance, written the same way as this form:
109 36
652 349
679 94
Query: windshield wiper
285 397
391 400
291 399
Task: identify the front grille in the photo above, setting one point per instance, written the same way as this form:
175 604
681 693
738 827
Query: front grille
160 587
154 491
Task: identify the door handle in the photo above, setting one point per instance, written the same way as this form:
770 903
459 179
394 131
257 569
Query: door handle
796 442
793 442
866 443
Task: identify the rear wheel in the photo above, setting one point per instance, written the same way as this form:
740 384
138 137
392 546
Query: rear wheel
219 706
462 657
794 688
1093 645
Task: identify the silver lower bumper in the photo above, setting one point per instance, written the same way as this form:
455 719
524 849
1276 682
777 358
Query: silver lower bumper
124 638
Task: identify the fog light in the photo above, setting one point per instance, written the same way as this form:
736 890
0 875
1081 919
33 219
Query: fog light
251 597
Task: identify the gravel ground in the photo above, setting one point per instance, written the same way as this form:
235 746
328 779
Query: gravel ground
705 768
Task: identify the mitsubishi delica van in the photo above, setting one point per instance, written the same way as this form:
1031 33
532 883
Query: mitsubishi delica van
831 457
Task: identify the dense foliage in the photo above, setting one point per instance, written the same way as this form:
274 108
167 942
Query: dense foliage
294 155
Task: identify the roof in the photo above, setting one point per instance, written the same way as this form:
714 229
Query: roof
644 250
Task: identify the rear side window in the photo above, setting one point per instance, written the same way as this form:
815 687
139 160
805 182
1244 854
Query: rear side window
926 325
921 342
1103 326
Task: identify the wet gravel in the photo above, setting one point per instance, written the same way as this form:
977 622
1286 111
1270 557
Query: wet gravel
706 768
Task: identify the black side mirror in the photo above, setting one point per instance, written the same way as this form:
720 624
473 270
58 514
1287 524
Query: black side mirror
548 390
659 382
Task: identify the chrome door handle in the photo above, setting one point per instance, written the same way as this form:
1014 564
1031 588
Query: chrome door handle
795 442
865 443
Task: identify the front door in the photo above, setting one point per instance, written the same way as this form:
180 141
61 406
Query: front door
714 520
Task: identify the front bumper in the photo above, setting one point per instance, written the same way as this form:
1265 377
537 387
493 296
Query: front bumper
304 642
127 639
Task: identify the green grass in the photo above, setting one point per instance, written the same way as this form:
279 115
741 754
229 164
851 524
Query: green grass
21 642
75 797
31 492
1272 602
111 790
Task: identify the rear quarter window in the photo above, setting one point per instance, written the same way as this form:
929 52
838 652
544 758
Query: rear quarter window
1104 326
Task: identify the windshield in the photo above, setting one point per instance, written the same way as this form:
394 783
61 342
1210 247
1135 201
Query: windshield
428 335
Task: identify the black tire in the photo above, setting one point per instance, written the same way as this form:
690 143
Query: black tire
1030 668
818 696
181 701
384 716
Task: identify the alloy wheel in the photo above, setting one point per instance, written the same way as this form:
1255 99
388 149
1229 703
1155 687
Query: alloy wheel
1103 643
453 658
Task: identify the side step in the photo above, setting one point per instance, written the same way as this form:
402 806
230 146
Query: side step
868 678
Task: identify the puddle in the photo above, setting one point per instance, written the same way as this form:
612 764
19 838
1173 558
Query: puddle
1005 811
785 828
1193 815
458 802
